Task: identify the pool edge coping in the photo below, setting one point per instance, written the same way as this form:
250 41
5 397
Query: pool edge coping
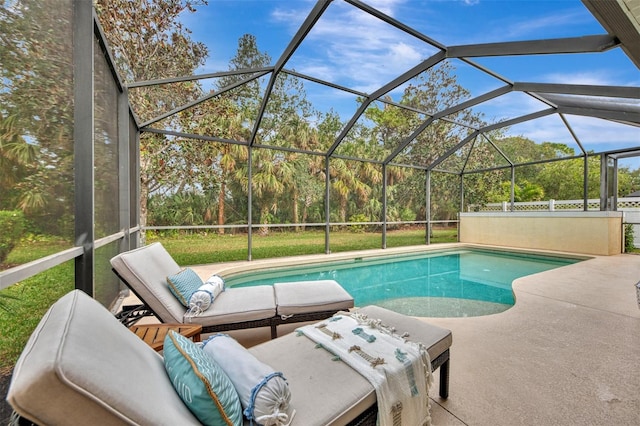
225 269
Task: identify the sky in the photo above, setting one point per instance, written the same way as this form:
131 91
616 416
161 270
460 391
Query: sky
353 49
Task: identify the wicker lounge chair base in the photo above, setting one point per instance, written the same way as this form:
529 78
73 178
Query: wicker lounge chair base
129 315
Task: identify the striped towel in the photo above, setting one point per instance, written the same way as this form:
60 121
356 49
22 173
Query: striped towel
399 370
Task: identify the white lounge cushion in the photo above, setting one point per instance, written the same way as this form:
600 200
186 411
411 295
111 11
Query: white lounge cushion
146 270
311 296
313 376
81 366
323 392
436 339
239 304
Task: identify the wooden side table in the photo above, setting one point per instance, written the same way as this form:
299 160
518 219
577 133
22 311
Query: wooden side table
154 334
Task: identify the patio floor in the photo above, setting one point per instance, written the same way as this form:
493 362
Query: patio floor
567 353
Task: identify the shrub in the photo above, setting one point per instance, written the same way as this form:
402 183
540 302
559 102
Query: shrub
12 224
628 238
358 218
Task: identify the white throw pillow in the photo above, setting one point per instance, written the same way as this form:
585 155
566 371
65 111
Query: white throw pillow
264 393
201 299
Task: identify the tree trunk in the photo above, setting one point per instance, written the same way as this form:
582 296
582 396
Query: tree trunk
144 195
221 207
308 201
295 210
343 209
304 216
264 215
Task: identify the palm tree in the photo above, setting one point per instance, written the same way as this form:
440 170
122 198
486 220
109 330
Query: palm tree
16 158
273 174
355 177
346 181
220 118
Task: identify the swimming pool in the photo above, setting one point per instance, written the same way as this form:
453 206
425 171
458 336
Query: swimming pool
438 283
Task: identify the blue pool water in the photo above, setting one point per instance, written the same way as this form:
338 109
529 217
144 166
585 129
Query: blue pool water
447 283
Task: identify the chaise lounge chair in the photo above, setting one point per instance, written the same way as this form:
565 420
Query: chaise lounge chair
145 271
81 366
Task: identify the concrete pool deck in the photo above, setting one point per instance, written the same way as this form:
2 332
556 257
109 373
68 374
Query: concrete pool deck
567 353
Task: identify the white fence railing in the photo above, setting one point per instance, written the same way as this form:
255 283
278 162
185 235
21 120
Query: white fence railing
554 205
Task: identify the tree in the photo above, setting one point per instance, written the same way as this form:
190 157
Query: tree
229 154
558 180
564 180
628 181
213 163
307 178
36 83
242 108
352 181
284 123
247 56
17 158
149 42
522 192
391 125
435 90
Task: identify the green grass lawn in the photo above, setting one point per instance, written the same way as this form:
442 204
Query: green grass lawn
23 304
196 249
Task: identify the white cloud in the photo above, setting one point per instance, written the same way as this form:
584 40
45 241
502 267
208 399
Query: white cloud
388 7
510 25
404 53
352 48
213 64
594 131
292 17
530 28
602 77
316 69
545 129
358 50
584 77
508 106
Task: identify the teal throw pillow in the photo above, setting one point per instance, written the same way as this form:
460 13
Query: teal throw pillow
203 386
184 284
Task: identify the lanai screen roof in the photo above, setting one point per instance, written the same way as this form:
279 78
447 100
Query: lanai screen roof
582 116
